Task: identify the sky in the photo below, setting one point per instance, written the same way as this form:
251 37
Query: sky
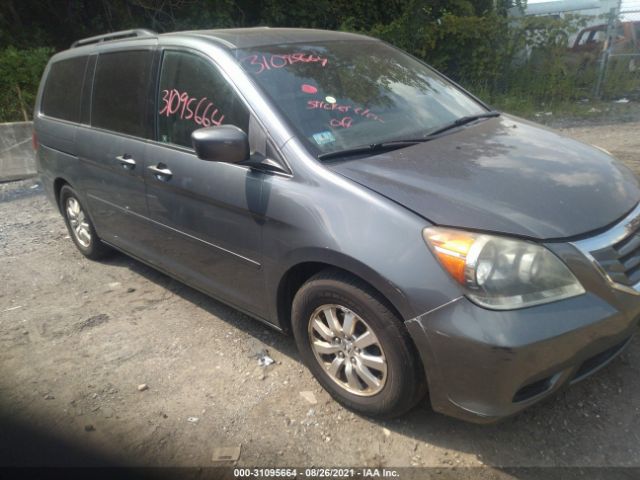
626 4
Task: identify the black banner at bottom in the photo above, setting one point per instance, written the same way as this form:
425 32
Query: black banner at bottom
263 473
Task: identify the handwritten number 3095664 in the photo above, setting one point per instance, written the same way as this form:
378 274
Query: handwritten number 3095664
186 107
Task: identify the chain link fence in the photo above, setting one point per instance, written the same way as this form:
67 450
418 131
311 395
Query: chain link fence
619 61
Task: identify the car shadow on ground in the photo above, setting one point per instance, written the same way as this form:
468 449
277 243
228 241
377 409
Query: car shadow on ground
261 331
591 423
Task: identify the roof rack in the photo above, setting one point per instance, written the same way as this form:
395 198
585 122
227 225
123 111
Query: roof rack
138 32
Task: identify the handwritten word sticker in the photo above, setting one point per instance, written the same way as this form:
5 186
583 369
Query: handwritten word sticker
271 61
200 110
345 122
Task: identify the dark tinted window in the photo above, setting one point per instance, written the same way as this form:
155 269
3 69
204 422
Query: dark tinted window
121 92
61 97
193 94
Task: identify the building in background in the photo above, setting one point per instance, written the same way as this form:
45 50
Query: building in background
595 12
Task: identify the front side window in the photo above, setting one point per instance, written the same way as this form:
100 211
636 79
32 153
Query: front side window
122 92
193 94
344 94
63 88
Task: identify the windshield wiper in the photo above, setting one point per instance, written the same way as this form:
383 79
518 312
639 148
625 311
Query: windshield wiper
462 121
396 144
372 148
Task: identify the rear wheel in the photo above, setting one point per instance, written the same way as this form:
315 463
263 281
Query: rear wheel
80 226
355 346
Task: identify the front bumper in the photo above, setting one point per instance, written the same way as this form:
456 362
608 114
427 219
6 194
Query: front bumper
484 365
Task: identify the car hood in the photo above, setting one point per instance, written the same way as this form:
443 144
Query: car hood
503 175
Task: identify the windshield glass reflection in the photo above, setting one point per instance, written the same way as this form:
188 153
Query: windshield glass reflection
339 95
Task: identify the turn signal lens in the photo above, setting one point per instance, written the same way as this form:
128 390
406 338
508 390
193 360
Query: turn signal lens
451 247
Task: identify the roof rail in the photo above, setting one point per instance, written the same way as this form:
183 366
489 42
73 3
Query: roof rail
138 32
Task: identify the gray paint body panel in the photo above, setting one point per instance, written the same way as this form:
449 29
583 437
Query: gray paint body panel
503 175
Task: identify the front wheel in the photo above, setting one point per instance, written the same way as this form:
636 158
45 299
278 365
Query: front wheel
357 349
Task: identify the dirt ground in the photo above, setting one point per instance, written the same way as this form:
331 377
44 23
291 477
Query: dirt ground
77 338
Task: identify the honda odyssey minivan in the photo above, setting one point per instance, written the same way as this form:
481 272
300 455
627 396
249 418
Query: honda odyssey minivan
413 240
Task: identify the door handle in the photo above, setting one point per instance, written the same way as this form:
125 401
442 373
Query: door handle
126 162
161 173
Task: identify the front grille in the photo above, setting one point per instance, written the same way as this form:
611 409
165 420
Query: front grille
599 360
617 252
621 261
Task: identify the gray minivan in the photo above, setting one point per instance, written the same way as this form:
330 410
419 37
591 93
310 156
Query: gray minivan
412 239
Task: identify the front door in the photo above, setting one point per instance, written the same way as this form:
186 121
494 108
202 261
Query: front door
205 214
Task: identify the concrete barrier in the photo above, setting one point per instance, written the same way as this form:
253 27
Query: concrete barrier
17 158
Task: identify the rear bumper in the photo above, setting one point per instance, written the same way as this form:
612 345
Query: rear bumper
484 365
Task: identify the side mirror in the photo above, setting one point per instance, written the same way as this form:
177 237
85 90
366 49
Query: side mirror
226 143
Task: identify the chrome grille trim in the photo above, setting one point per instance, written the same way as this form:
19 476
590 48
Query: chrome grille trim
604 243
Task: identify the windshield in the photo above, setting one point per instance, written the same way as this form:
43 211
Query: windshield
340 95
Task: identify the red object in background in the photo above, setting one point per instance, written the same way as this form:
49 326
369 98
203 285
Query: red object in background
308 88
34 140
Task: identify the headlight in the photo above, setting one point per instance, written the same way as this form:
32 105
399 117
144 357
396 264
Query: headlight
502 273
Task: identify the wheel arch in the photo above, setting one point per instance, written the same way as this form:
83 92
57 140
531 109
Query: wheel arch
58 183
298 273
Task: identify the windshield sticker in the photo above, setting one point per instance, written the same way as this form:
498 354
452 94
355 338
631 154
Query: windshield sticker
308 88
199 110
322 138
343 108
267 62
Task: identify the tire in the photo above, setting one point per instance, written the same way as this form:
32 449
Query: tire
80 226
393 360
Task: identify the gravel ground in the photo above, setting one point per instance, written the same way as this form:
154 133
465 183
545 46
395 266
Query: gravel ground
78 338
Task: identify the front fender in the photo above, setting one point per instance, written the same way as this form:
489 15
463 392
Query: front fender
319 216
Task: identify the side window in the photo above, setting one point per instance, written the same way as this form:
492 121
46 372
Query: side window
63 88
122 92
193 94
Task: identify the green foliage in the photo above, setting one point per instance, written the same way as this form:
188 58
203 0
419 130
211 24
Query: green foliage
623 76
516 63
513 63
20 72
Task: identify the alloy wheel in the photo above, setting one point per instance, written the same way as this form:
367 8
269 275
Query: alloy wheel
348 350
78 221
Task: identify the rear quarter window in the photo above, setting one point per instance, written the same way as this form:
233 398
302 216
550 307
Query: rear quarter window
63 89
122 92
